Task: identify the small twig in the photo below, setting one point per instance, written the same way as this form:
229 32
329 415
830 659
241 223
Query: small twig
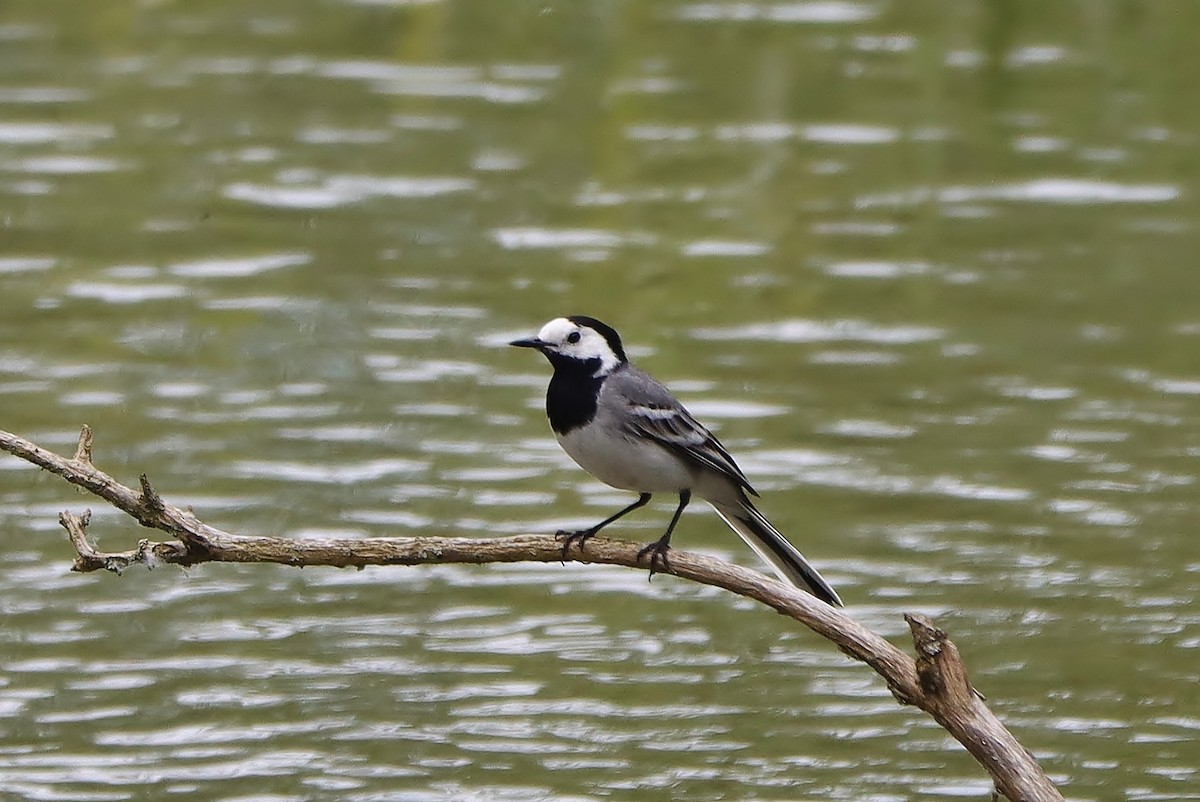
83 452
150 499
76 526
88 558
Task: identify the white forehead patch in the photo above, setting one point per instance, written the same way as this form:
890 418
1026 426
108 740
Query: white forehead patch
556 331
591 343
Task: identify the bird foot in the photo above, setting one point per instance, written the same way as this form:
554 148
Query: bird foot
571 538
658 556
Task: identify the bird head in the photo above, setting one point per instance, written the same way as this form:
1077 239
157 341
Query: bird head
578 342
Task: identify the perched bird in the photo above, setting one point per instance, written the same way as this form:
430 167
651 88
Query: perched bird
626 429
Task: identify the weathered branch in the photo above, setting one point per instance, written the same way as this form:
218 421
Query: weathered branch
935 682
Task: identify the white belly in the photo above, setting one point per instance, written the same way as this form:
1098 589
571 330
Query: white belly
626 463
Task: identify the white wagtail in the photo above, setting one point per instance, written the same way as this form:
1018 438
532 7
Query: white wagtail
626 429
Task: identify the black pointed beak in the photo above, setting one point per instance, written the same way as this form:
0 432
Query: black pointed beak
529 342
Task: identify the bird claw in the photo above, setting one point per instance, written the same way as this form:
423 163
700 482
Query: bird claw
658 557
570 538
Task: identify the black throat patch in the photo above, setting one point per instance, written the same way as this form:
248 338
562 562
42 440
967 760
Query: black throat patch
572 396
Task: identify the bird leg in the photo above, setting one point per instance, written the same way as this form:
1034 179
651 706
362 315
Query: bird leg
583 535
658 549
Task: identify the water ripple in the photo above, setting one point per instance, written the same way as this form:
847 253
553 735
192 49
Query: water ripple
239 267
113 293
1071 191
529 238
502 84
869 429
40 133
834 470
847 134
66 165
342 472
26 264
343 190
42 94
878 269
811 12
725 248
816 331
716 408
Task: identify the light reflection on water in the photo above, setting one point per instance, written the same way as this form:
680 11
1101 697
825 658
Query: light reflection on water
952 344
336 191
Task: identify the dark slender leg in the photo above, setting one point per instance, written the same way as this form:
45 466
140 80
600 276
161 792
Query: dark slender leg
658 549
582 535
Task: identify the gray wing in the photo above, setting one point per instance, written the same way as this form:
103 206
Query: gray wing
654 413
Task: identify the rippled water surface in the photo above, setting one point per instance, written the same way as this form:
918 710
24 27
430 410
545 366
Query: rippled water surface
930 270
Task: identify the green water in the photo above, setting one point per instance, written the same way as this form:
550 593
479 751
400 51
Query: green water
929 268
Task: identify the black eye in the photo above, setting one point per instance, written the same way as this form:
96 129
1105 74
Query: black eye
573 337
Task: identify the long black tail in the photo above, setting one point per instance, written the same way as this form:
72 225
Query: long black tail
773 547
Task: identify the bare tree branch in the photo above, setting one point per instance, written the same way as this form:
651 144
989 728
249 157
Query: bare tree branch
935 682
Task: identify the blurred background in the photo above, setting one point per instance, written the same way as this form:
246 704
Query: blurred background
929 269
